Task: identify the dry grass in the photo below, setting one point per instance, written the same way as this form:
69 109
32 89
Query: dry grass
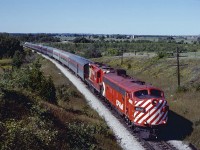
5 64
162 74
1 70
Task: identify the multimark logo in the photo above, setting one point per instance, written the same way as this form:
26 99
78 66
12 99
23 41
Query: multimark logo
119 104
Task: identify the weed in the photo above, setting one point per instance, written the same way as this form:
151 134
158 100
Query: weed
161 55
181 89
5 62
197 87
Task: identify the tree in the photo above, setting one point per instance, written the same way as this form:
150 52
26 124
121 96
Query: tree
17 59
92 52
82 40
8 45
102 38
198 39
112 52
48 90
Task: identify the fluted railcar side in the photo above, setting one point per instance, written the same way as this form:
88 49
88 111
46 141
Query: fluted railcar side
79 65
56 54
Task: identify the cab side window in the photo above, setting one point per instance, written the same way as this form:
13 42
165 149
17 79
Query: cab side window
156 93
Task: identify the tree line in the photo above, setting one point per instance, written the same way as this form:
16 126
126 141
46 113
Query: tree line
38 38
8 45
93 49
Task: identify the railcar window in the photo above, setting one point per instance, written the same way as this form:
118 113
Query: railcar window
156 93
141 93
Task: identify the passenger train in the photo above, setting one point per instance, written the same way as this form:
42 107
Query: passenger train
142 105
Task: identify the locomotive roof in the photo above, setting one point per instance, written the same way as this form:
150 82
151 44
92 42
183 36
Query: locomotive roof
127 83
101 66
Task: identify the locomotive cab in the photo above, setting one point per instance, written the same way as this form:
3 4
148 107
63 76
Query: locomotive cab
150 107
149 110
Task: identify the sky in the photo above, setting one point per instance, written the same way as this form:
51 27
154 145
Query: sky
139 17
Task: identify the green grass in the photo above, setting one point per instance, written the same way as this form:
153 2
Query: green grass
5 62
1 70
162 74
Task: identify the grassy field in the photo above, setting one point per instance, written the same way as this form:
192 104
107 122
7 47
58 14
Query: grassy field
184 119
5 64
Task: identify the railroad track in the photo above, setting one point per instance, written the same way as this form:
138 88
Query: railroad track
159 145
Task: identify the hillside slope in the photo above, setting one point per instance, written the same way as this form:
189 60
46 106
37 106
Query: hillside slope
30 120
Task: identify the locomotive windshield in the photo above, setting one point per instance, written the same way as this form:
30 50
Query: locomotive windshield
145 93
141 93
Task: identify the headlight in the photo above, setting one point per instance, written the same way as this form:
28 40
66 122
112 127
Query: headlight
140 109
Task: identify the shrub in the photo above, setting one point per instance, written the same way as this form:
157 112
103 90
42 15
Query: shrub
197 87
81 136
35 134
65 92
48 90
129 66
32 79
161 55
17 59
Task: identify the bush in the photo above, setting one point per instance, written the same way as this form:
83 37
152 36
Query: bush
48 90
17 59
81 136
196 86
34 130
35 134
129 66
161 55
32 79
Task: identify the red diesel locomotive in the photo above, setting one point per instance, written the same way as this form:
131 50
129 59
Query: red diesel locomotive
143 106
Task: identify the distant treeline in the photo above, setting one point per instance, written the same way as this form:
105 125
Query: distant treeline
93 49
8 45
39 38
